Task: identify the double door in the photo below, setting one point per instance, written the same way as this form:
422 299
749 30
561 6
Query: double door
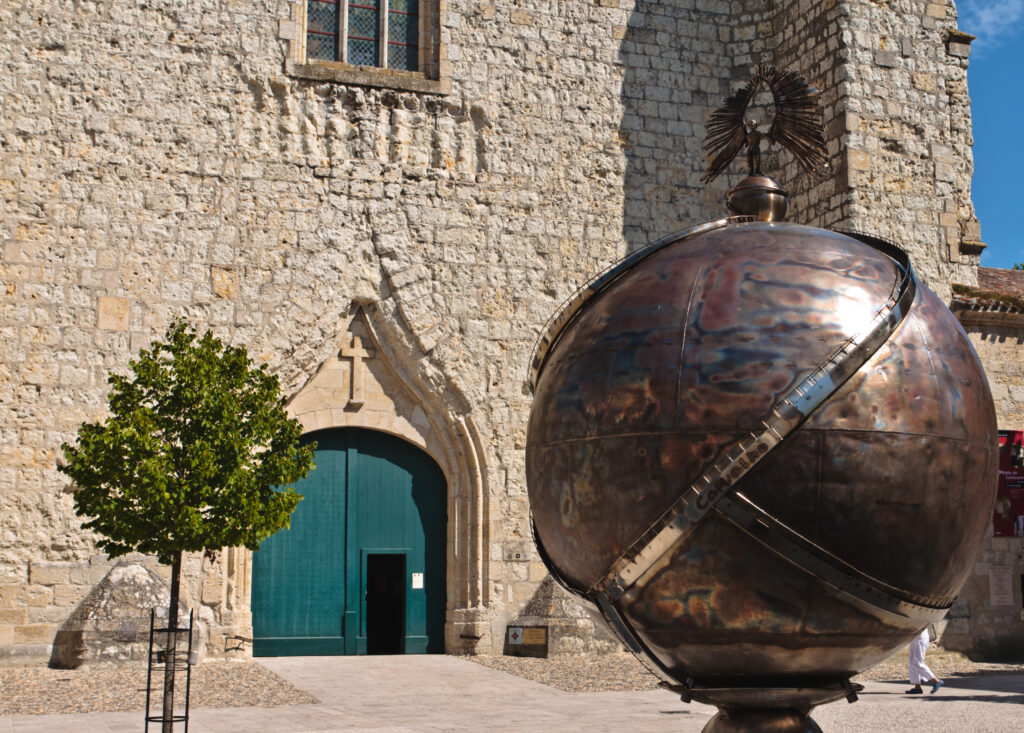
361 570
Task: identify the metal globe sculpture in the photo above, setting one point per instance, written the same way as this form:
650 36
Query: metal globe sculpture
765 455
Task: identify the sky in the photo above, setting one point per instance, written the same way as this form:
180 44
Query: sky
995 81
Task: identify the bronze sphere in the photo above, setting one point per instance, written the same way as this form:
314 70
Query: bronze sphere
765 454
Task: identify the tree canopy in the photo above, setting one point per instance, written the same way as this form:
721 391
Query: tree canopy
197 452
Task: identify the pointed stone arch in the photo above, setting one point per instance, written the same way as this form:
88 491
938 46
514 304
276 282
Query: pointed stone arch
374 379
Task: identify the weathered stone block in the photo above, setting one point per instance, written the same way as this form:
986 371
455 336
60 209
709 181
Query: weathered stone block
518 551
970 229
224 281
537 572
112 314
924 81
50 573
287 30
521 17
97 123
46 614
960 50
13 615
944 172
34 596
68 595
8 593
34 633
859 160
886 59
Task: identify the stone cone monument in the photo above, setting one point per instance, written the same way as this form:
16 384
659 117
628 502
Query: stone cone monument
111 624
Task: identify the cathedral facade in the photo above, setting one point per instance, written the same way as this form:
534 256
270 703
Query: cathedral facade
385 201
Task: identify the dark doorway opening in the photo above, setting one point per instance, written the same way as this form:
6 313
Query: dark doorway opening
385 604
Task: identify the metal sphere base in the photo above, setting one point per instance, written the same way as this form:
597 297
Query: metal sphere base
768 720
766 706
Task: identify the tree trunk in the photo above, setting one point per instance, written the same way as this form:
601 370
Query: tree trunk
171 647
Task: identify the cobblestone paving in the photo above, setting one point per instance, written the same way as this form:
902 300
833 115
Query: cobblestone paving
616 672
113 688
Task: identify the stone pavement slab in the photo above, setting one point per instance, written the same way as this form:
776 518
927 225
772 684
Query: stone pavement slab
406 694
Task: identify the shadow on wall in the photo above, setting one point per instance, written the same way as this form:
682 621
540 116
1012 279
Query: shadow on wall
1007 648
682 59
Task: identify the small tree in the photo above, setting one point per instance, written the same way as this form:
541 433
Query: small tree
191 458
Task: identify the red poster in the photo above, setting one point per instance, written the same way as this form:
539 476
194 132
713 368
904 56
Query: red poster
1009 516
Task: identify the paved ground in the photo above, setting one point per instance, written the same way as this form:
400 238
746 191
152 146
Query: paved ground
440 693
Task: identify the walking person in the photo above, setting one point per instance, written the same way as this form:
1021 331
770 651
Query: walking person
919 671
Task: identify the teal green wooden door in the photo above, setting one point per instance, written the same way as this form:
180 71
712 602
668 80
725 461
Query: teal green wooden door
372 496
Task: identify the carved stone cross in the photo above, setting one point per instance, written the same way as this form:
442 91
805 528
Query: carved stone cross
356 353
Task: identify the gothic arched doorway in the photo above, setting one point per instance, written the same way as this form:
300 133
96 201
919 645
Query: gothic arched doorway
361 570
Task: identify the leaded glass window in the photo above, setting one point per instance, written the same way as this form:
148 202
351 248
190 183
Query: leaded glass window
382 33
403 34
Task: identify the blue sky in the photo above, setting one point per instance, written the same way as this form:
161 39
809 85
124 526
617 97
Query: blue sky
996 86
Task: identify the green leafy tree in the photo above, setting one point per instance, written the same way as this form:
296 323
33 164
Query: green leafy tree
193 457
1018 265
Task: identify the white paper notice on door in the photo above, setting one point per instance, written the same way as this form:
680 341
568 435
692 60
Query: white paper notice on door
1000 587
417 580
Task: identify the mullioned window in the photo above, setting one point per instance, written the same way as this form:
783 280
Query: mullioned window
383 43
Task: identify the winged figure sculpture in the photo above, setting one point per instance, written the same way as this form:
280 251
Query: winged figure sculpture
796 125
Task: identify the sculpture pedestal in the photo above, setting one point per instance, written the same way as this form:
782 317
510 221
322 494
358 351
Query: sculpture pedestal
771 720
766 707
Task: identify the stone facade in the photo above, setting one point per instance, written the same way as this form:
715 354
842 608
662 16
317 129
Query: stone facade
996 330
160 159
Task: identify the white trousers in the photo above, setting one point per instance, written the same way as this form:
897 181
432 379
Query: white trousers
919 671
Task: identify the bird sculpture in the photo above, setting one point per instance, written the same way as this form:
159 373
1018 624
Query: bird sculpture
796 125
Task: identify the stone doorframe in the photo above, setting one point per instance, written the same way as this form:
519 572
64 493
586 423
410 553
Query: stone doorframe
369 383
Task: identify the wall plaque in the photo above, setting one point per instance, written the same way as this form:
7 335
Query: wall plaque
526 641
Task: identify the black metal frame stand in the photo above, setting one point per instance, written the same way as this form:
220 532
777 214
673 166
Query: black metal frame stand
183 660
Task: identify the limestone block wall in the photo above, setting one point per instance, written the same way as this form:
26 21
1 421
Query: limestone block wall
157 160
906 119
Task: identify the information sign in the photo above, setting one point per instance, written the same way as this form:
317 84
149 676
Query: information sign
1000 586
